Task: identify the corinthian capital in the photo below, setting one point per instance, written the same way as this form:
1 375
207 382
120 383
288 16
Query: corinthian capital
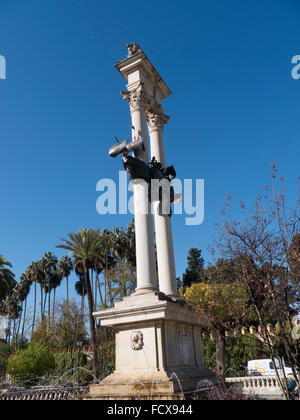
137 98
156 119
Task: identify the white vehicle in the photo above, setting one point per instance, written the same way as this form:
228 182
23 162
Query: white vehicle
265 367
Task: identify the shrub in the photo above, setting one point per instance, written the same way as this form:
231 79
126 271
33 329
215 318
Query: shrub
3 365
28 366
44 334
239 349
224 392
64 371
5 350
106 359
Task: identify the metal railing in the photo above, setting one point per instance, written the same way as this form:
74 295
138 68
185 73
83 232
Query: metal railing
43 394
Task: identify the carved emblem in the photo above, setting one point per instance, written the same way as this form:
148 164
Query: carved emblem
136 340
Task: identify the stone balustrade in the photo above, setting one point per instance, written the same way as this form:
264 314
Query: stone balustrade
266 387
259 332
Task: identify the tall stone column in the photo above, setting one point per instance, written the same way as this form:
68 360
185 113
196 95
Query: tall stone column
158 340
163 229
144 231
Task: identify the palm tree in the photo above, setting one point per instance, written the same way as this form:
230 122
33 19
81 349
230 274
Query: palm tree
119 244
65 266
49 263
122 276
20 293
99 265
12 310
35 275
7 278
25 284
85 246
39 277
107 243
80 290
130 248
56 279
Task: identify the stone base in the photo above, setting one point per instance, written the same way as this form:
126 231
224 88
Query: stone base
164 390
158 349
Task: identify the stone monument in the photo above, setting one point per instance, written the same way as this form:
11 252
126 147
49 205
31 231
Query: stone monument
158 338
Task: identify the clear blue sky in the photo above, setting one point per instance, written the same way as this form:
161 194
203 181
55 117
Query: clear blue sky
234 108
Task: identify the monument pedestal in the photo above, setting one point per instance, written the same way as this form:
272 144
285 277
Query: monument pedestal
158 349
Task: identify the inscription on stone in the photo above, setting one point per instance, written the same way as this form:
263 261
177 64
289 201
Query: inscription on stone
184 347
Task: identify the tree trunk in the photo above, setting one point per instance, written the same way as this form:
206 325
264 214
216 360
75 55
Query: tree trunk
95 293
298 372
92 286
44 307
49 301
100 293
260 352
67 278
34 310
19 324
53 308
82 303
14 332
42 300
220 353
91 320
105 281
24 320
8 331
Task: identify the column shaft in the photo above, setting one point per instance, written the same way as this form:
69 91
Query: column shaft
163 228
144 230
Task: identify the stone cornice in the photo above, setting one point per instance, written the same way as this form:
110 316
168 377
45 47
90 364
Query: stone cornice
137 59
157 310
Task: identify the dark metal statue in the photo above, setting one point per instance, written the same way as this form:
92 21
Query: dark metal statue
138 169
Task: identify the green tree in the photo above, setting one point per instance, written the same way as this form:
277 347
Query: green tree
239 349
49 267
69 328
44 334
35 276
225 305
265 240
25 285
80 290
65 267
28 366
7 278
122 278
195 272
85 246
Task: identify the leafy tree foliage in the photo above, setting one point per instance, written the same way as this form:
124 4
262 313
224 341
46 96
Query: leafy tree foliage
238 350
195 272
28 366
225 306
67 329
7 278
